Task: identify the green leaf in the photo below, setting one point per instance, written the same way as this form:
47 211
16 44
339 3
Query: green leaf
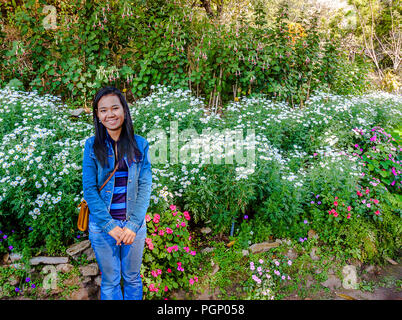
384 173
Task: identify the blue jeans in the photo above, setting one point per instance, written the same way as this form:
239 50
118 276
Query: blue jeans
114 261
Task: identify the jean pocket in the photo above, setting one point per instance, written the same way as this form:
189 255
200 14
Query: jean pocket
94 228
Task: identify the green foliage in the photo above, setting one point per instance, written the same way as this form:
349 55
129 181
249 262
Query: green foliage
268 274
135 45
168 255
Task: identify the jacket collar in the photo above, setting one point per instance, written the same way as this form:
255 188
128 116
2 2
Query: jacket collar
109 138
111 141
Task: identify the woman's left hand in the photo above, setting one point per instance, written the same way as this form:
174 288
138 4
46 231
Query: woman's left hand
128 236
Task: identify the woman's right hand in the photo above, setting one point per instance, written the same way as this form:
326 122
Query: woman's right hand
117 234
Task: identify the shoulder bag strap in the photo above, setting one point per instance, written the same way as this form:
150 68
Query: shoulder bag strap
117 165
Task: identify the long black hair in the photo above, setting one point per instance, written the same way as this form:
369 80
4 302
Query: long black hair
127 144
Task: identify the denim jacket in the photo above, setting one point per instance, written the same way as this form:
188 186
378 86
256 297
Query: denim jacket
139 185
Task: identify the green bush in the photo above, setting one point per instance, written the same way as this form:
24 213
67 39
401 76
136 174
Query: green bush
135 45
168 255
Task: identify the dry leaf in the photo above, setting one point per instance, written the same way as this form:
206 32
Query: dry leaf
345 296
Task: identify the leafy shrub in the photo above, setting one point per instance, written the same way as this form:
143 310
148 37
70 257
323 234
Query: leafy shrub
268 274
168 255
219 62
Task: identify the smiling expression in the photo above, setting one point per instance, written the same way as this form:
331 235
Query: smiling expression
111 113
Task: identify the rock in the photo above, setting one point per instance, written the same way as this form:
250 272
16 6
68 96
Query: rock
245 253
98 280
312 234
291 254
14 280
332 282
76 112
215 267
72 281
263 246
48 260
370 269
65 267
86 280
89 252
89 270
280 241
93 290
77 248
349 277
206 230
391 261
15 257
80 294
207 250
5 257
313 255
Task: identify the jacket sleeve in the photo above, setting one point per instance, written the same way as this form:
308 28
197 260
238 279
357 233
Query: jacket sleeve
96 205
144 192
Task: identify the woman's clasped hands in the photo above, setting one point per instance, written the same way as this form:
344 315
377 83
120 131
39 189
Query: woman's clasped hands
124 235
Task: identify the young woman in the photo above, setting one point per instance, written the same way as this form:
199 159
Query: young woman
117 227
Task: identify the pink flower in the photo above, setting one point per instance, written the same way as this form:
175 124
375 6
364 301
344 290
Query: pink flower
335 214
348 217
368 205
172 207
376 201
377 212
349 208
161 232
166 288
153 288
179 267
335 203
192 253
186 215
169 231
373 138
191 281
147 218
151 246
183 224
169 270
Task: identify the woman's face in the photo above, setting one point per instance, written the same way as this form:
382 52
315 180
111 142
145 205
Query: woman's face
111 113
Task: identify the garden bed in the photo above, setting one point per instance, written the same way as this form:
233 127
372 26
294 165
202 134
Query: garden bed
327 175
